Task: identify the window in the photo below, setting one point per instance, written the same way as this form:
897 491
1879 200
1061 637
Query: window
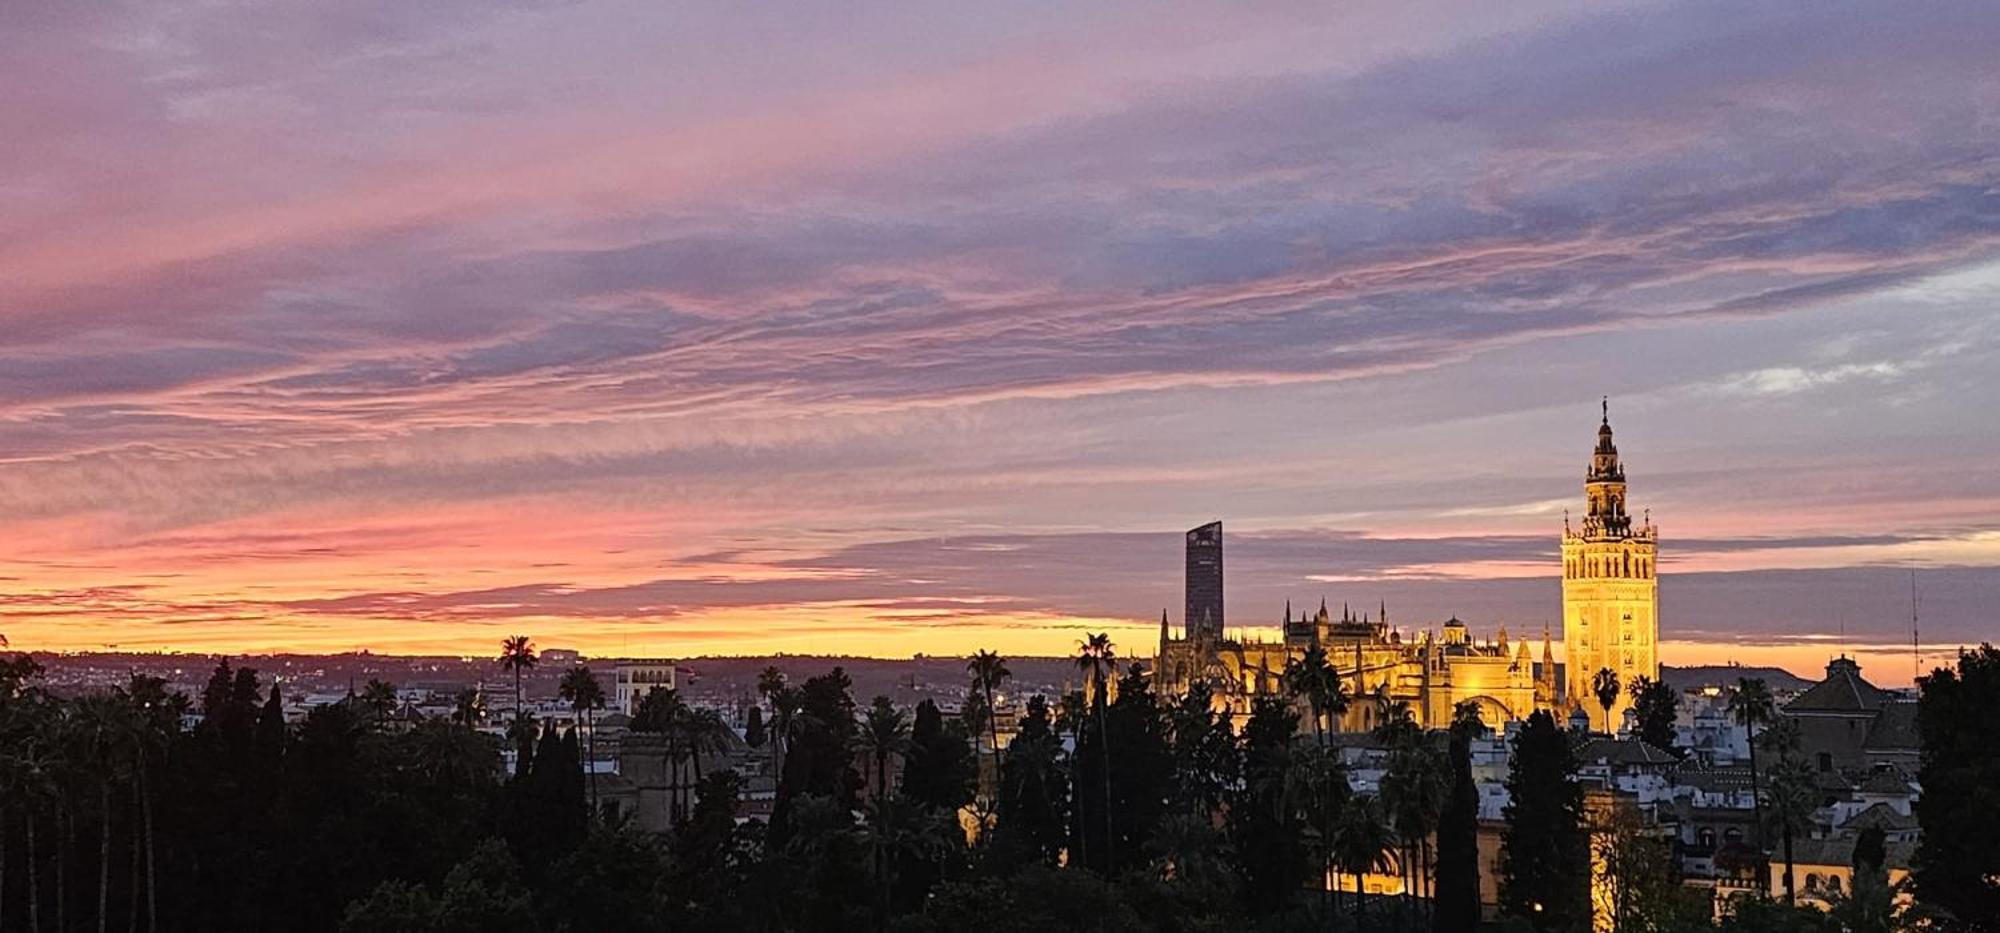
1833 883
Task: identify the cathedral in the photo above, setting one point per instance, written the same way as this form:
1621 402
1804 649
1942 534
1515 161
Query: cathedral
1610 598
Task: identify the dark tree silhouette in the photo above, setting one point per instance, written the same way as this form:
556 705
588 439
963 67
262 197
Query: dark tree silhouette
1958 857
1545 852
1458 831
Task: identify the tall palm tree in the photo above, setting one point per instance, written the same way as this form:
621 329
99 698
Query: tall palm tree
662 711
988 672
1413 793
770 683
1794 797
580 689
1313 678
517 654
103 730
1793 791
884 733
156 719
35 765
1605 684
1097 659
1314 786
1362 844
1752 706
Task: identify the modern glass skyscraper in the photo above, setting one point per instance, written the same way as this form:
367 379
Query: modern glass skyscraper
1204 582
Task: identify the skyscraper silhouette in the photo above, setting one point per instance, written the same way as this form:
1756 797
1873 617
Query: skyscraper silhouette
1204 582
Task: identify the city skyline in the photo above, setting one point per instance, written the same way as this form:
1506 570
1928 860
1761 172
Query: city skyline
728 331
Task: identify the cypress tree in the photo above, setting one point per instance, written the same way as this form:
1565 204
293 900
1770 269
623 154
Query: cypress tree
1142 770
1263 821
940 769
1654 704
1033 808
1458 834
271 727
1545 852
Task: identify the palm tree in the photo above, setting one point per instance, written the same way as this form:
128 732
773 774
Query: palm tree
1751 706
1413 793
1097 659
1605 685
770 683
517 654
1315 786
1362 844
706 732
1794 797
35 765
379 699
1793 789
580 689
468 708
988 672
884 733
785 720
662 711
156 718
1314 680
104 731
898 828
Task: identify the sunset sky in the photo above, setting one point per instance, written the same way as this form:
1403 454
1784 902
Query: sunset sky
881 328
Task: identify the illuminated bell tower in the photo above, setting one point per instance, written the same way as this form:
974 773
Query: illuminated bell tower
1611 595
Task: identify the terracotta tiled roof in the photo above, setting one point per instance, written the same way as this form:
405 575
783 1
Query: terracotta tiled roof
1839 851
1713 779
1623 752
1894 728
1882 815
1886 781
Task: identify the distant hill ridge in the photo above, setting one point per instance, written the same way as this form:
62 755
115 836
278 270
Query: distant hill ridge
1685 678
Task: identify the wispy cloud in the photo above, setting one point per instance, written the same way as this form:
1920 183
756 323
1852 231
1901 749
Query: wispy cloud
483 270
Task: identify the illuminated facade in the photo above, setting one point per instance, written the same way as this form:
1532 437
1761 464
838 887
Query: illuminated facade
1611 594
635 679
1431 673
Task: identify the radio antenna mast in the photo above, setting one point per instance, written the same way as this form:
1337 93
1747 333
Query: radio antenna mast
1916 652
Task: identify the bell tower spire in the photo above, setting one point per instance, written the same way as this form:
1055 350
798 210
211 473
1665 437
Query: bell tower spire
1610 594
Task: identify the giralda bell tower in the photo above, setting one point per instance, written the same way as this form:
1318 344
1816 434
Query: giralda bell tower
1611 596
